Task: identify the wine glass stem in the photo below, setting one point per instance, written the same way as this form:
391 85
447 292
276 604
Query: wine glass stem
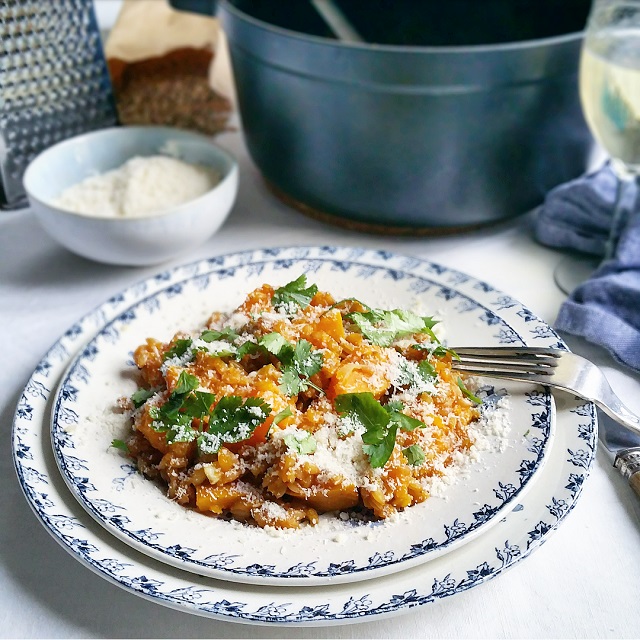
626 197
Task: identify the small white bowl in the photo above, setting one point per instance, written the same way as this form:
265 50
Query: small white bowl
147 240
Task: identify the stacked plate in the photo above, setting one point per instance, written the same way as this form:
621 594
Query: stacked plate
93 501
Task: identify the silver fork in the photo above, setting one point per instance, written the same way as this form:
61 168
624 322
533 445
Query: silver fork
561 369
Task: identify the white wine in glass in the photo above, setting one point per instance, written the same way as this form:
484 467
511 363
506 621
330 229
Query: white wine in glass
610 97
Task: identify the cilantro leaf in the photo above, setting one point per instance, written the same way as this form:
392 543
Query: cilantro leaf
186 382
381 451
120 444
381 424
295 293
367 411
382 327
303 443
427 370
248 348
439 351
140 396
280 416
276 344
179 349
232 420
467 393
394 405
405 422
414 455
299 363
226 333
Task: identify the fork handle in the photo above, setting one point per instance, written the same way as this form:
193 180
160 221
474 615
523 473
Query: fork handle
628 463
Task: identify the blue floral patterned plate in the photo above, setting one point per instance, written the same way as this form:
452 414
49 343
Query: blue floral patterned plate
528 523
85 420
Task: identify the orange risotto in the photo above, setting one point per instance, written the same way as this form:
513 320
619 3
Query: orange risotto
296 404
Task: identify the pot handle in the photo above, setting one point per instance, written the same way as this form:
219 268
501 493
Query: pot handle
206 7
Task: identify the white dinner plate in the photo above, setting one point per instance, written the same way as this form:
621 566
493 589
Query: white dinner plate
530 522
86 419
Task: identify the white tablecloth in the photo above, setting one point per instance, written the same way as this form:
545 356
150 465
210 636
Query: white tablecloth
584 582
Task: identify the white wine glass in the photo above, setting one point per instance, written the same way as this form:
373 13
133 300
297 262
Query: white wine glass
610 98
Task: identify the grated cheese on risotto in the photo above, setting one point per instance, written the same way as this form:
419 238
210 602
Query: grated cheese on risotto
296 404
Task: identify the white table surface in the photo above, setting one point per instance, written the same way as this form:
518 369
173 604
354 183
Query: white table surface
583 582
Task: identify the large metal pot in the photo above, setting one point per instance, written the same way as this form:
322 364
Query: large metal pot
404 138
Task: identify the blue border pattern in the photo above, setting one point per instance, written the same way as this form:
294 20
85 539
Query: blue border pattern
113 516
82 542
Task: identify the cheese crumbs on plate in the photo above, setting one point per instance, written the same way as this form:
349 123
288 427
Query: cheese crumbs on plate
296 404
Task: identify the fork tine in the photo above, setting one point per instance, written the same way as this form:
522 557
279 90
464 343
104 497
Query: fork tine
508 352
493 366
520 363
524 376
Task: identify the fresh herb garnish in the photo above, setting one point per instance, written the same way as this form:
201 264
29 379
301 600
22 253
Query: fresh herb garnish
224 338
439 351
295 293
303 443
280 416
467 393
179 348
120 444
140 396
418 375
382 327
297 362
232 419
381 423
298 365
186 382
226 333
414 455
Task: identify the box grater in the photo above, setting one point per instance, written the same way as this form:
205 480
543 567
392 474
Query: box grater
54 83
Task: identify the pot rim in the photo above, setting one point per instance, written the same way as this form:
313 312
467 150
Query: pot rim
395 48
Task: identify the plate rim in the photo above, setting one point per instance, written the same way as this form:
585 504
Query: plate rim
177 554
31 480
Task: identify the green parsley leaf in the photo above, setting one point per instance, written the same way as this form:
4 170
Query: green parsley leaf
414 455
279 417
232 420
303 443
427 370
276 344
179 349
439 351
120 444
367 411
381 451
295 292
227 333
381 423
140 396
382 327
298 365
186 382
394 405
248 348
405 422
468 393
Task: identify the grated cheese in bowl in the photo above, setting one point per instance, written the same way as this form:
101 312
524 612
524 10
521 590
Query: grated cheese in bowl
142 186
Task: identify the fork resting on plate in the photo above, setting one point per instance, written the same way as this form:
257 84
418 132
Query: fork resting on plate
561 369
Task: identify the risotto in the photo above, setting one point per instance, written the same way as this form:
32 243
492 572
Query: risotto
296 404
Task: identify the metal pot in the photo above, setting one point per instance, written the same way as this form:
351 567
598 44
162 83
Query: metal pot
405 139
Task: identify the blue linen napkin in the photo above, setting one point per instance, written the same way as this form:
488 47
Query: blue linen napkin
605 309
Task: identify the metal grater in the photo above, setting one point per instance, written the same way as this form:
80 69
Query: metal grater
54 83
